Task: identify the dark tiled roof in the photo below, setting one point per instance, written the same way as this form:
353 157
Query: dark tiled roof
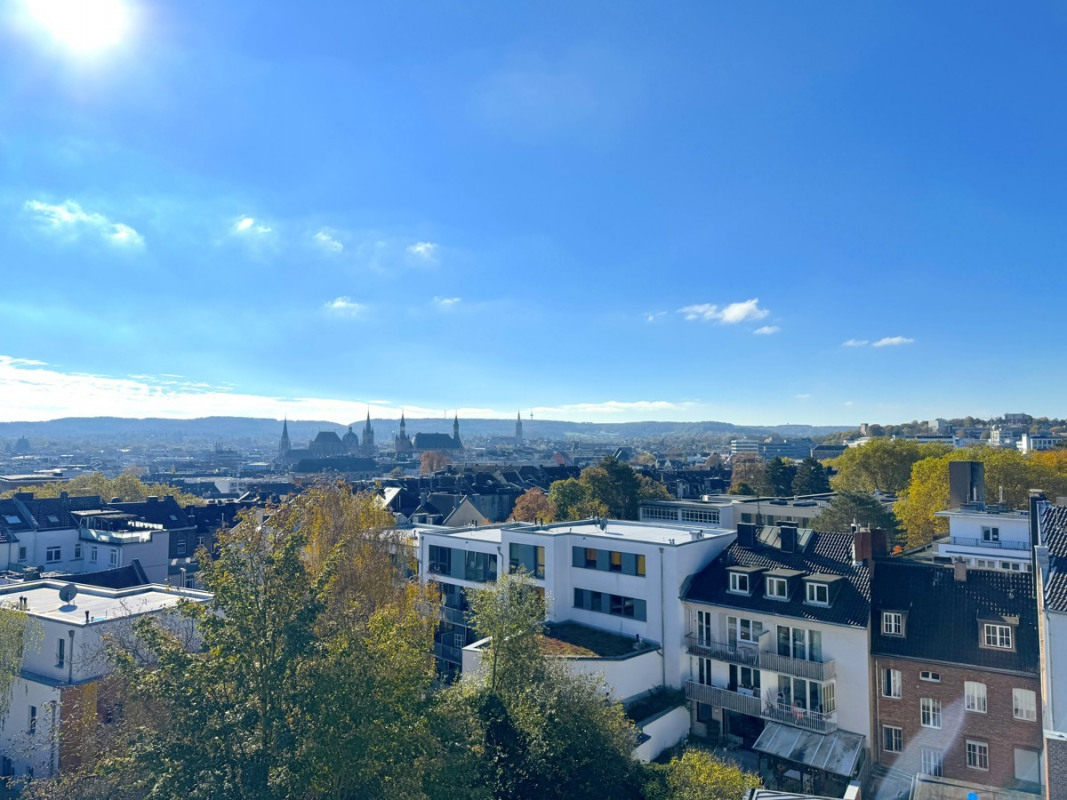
327 437
943 621
165 511
55 512
336 464
1054 536
826 553
434 441
122 578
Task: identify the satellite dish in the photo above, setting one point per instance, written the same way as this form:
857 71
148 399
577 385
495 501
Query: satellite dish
68 592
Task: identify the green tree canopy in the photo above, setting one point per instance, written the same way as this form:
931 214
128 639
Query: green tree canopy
698 775
779 477
810 478
847 508
126 486
880 465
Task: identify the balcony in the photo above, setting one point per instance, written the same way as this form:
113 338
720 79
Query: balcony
750 655
1007 544
755 706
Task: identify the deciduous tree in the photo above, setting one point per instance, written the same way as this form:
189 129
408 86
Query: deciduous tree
534 506
698 775
880 465
433 460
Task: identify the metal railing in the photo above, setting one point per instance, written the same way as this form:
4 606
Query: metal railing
750 655
967 541
766 708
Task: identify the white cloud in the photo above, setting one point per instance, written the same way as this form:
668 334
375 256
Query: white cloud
653 316
69 217
427 251
747 311
611 407
324 238
344 306
247 225
766 330
893 341
447 302
855 343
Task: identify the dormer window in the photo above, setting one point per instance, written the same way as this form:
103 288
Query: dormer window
893 623
739 583
777 588
818 594
998 636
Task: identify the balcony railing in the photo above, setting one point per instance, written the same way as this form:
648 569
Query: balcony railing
750 655
766 708
1007 544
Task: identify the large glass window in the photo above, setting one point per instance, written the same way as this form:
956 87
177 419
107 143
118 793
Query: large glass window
614 604
608 560
440 560
808 695
799 643
704 636
739 629
529 557
479 567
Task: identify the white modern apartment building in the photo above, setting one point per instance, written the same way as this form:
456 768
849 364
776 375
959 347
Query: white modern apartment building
729 510
66 659
620 577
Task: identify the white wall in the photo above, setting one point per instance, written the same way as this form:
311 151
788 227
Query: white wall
665 731
26 750
626 677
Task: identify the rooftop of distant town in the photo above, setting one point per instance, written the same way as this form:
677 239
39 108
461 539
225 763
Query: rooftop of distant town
42 599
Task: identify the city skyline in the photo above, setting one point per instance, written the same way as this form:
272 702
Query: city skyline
604 212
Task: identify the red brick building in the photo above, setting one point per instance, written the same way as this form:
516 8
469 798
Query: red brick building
955 656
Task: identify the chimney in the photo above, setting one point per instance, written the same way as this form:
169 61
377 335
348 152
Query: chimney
787 535
868 544
966 483
959 570
746 534
152 498
1037 505
1042 561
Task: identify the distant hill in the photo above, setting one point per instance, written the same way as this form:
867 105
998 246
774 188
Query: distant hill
230 429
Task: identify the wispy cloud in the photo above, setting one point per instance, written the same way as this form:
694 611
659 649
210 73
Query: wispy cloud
71 219
445 303
325 239
427 251
893 341
654 316
766 330
344 306
612 407
747 311
248 225
855 343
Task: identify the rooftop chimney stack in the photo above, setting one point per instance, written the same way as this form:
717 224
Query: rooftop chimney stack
959 570
966 483
787 534
746 534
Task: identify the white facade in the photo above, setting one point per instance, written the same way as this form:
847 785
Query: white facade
67 654
988 538
622 577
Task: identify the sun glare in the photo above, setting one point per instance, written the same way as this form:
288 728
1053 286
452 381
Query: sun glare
82 25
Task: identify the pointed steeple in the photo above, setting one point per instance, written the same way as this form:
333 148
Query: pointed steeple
455 431
518 426
283 443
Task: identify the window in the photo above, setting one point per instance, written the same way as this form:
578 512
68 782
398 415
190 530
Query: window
113 557
613 604
31 726
777 588
892 623
92 553
891 683
12 519
932 677
704 628
1024 704
818 594
440 560
608 560
22 552
1027 765
990 534
61 652
710 516
179 547
976 699
529 557
998 636
977 755
704 671
892 739
739 583
615 561
743 630
77 549
808 695
799 643
932 762
479 567
659 512
53 554
930 713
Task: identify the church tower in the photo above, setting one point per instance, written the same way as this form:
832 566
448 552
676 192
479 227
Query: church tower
368 437
283 443
401 443
518 426
455 433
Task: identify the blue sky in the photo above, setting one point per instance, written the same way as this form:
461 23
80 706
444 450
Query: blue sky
758 213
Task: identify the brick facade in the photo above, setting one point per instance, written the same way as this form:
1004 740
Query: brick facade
997 728
1056 768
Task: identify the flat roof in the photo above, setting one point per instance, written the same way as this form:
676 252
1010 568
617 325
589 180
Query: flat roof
624 530
984 512
43 600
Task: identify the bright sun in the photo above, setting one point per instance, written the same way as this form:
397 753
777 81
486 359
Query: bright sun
82 25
